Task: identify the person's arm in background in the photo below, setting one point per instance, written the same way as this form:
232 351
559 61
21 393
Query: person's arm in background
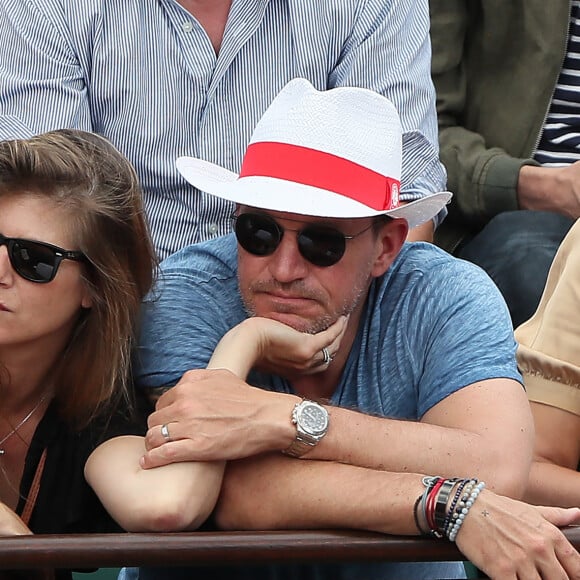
550 189
389 52
554 479
42 85
463 151
487 179
549 358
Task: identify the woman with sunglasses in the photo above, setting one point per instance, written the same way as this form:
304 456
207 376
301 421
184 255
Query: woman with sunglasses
75 262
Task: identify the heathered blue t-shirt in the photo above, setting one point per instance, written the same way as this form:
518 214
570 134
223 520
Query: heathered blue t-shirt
431 325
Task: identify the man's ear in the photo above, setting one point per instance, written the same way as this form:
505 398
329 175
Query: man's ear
390 240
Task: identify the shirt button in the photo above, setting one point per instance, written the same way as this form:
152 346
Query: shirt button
187 27
212 229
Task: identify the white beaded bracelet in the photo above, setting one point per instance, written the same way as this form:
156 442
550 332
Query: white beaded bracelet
462 509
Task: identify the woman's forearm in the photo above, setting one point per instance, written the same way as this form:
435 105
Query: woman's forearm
173 497
552 484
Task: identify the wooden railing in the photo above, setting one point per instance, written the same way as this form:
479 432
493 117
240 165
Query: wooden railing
223 548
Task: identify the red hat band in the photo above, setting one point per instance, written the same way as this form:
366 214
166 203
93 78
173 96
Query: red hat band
322 170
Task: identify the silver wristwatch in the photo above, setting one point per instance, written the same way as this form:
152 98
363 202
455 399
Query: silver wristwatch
311 420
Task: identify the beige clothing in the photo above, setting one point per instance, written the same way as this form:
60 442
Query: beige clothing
549 343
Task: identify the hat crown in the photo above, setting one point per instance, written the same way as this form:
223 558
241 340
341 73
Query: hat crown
360 126
333 154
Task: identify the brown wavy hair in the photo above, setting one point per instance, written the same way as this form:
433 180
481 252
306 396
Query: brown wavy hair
97 186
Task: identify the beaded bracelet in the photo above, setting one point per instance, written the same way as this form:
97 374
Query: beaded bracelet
453 515
462 509
458 491
442 521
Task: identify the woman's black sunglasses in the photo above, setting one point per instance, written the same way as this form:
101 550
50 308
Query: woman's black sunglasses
321 245
37 261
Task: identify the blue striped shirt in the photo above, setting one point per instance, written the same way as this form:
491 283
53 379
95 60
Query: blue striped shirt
560 142
144 74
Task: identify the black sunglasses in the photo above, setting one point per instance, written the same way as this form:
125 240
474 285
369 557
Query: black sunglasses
321 245
37 261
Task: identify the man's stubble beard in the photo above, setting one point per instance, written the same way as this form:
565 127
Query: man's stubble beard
318 324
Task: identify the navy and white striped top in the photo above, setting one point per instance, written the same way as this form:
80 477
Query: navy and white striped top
143 73
560 141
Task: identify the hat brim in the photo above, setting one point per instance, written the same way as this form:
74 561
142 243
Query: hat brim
287 196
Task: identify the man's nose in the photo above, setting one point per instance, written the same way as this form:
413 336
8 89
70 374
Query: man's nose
287 263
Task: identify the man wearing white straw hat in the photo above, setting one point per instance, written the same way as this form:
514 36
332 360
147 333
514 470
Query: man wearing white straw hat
366 356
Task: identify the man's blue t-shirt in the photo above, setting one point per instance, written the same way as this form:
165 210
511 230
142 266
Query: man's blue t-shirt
431 325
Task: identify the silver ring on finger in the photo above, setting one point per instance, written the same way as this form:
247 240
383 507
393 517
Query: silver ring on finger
165 432
326 356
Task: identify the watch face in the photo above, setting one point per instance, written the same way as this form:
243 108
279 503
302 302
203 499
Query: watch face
313 419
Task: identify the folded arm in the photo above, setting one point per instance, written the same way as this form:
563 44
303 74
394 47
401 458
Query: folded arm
453 438
174 497
503 537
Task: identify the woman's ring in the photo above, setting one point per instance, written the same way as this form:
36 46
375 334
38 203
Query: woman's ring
165 432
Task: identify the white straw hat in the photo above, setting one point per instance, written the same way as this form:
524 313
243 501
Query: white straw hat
334 153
